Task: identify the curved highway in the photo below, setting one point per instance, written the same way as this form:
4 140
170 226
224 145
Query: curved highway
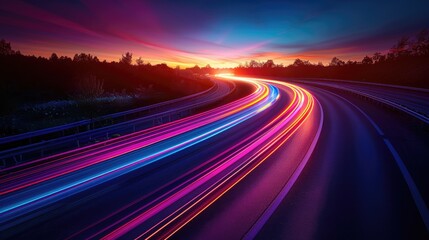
53 140
367 178
285 161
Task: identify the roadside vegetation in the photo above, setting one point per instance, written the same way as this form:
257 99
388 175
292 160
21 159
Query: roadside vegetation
406 63
37 92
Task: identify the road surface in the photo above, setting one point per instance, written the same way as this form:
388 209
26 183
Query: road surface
286 161
49 141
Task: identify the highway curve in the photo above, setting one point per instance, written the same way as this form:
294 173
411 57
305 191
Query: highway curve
286 161
151 183
18 149
367 178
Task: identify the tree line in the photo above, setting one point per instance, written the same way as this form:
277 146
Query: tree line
406 63
31 79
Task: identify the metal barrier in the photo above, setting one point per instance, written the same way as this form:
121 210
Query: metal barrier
164 112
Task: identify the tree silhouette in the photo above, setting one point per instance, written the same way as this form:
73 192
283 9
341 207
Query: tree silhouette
83 57
351 63
421 47
207 69
400 49
378 57
5 48
269 64
406 64
336 62
127 58
298 62
254 64
53 57
139 61
367 60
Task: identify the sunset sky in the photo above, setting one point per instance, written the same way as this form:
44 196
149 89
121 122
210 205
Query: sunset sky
219 33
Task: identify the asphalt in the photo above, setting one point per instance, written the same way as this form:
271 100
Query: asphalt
353 186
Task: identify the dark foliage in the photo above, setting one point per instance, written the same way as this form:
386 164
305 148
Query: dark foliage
30 79
407 63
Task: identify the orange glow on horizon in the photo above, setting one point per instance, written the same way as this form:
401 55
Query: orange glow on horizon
175 58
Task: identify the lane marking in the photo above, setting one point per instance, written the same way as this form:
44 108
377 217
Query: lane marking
398 106
257 226
418 199
377 128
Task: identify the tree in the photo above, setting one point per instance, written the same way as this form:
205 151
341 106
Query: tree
269 64
65 58
254 64
367 60
402 48
83 57
53 57
139 61
5 48
336 62
298 62
207 69
421 47
377 57
127 58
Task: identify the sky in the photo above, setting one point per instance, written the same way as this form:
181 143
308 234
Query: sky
222 33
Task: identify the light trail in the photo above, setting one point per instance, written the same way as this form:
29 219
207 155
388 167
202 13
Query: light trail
279 129
31 189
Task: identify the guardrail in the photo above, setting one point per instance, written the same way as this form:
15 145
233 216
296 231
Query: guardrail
89 124
385 101
366 83
389 103
174 110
